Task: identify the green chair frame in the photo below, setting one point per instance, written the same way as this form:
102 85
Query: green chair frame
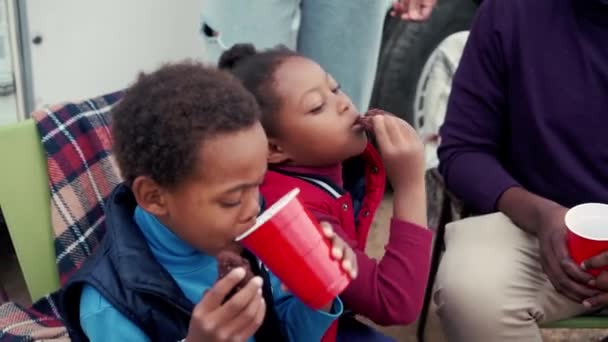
25 202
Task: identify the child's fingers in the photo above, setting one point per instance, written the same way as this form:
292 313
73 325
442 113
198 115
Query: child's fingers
337 248
397 129
244 320
337 245
328 230
240 301
337 251
349 263
380 132
255 324
214 297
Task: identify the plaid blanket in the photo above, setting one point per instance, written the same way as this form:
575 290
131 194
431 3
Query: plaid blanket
82 173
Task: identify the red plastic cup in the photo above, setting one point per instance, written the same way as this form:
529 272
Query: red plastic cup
587 232
290 242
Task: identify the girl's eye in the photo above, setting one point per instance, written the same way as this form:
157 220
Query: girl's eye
318 109
336 89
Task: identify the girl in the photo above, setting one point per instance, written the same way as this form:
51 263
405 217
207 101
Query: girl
316 143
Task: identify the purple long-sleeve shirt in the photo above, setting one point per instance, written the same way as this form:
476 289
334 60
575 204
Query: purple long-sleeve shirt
529 104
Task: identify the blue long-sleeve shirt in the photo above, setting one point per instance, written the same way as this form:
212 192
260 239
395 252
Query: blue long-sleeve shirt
529 104
194 273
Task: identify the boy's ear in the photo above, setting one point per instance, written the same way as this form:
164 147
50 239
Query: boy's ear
276 154
150 196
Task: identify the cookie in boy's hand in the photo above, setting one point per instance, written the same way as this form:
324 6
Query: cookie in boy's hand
226 262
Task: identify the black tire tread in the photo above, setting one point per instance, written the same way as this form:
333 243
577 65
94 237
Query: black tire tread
405 48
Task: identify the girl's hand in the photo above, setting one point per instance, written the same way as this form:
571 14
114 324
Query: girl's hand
402 151
341 251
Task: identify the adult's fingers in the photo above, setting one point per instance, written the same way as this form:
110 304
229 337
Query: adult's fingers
414 10
560 279
570 268
597 301
596 261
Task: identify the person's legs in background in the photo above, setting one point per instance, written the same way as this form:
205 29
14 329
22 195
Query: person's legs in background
344 37
263 23
491 286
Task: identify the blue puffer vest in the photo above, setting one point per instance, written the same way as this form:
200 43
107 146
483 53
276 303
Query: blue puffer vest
127 275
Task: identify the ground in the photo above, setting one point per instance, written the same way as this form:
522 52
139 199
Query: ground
10 276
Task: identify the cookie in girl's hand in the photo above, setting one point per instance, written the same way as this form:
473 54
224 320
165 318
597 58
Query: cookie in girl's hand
376 111
226 262
365 120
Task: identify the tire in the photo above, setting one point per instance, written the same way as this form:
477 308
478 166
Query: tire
405 49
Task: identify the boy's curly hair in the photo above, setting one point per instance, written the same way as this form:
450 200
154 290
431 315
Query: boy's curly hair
164 117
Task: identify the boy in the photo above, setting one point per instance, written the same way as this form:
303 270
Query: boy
192 153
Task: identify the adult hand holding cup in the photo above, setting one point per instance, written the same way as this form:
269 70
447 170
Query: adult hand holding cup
588 236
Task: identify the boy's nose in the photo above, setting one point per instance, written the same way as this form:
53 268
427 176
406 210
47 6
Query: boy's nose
252 213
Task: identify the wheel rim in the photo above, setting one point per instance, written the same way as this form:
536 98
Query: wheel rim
432 93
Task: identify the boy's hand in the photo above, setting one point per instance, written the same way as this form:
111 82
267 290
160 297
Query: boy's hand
401 149
235 320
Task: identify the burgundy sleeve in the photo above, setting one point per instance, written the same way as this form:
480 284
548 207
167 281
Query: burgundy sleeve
389 291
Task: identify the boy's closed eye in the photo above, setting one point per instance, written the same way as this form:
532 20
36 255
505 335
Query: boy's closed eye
230 204
233 197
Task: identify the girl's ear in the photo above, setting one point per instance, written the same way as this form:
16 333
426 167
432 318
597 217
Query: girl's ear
276 153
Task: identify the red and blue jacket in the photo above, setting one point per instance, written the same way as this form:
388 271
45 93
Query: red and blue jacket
388 291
